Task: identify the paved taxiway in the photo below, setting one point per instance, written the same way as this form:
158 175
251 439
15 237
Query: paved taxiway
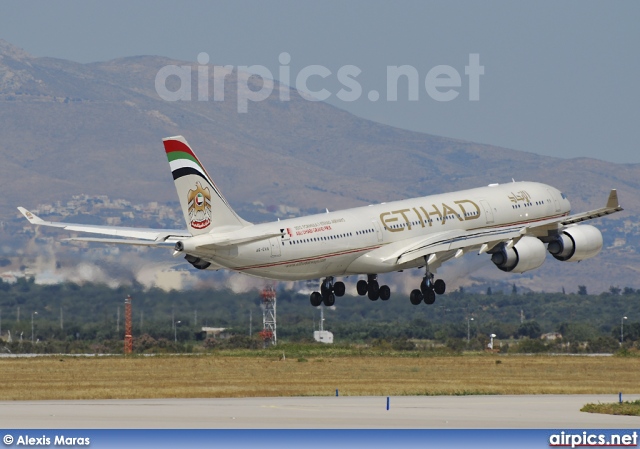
470 412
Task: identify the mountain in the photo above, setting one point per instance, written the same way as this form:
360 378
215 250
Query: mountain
70 128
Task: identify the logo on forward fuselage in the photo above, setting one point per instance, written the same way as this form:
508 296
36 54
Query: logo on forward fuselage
399 220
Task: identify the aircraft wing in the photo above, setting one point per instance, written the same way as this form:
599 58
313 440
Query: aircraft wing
455 244
128 236
437 248
611 207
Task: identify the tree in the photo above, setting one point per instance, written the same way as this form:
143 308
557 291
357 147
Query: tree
631 332
603 345
577 332
456 344
614 290
582 290
514 290
530 329
531 346
489 292
144 343
502 330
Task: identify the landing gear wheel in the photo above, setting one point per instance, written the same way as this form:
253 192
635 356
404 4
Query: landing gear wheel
362 287
329 300
430 297
439 287
374 290
416 297
425 286
315 299
385 292
325 288
339 288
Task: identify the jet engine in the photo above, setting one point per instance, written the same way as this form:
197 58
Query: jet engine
576 243
528 254
197 262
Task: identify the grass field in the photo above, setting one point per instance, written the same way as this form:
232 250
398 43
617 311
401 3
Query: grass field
220 375
616 408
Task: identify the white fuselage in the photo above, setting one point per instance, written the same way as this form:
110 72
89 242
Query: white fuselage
344 242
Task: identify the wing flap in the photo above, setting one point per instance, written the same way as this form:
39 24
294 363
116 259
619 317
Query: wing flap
461 240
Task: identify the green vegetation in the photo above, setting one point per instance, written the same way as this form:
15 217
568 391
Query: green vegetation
624 408
71 318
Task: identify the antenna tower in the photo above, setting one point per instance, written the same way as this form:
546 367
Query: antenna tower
128 337
268 305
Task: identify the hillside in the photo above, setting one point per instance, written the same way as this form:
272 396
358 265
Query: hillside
72 124
70 128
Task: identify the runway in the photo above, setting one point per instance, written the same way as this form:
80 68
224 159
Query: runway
415 412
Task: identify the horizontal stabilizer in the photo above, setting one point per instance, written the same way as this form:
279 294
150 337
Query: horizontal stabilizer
214 241
119 241
231 240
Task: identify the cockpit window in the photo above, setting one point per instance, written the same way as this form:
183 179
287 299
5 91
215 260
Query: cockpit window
564 197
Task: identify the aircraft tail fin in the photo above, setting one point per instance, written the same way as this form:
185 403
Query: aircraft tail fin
202 203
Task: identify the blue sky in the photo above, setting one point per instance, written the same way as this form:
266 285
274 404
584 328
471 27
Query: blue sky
560 78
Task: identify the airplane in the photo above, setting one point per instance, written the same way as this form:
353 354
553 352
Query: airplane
515 223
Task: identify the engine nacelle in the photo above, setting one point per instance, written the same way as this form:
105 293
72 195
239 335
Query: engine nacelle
528 254
576 243
197 262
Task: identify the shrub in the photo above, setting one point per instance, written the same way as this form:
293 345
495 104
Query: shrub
403 344
603 345
532 346
241 342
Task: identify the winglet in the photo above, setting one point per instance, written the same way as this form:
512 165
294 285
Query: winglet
612 201
33 219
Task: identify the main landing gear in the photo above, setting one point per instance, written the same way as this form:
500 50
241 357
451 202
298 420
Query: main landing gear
328 292
428 290
372 289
